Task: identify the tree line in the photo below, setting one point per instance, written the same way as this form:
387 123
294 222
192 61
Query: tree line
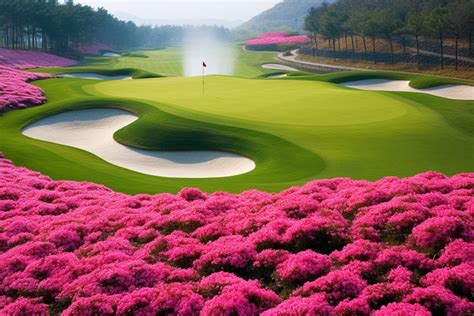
395 21
50 26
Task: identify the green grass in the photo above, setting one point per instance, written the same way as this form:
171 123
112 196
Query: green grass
166 62
169 132
296 129
360 134
135 73
416 81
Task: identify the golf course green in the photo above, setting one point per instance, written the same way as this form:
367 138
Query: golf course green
295 129
165 62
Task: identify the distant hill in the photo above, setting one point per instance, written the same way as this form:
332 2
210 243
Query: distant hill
287 16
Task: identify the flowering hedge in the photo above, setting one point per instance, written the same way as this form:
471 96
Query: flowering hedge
23 59
343 247
277 38
16 92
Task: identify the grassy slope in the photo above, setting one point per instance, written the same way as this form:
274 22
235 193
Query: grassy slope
296 129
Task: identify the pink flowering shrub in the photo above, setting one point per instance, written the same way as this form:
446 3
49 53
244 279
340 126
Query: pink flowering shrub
458 279
337 286
278 38
313 305
95 305
456 253
244 298
358 306
167 299
330 247
303 266
379 294
402 309
438 231
440 301
16 92
229 253
24 306
358 250
23 59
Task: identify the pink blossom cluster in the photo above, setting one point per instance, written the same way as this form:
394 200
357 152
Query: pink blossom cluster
277 38
92 49
23 59
16 92
331 247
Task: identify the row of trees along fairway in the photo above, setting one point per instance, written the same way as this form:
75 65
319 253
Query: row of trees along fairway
395 21
50 26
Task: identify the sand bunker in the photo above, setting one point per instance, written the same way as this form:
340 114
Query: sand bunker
111 55
455 92
277 76
92 130
278 67
93 76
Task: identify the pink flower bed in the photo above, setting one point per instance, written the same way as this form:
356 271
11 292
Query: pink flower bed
277 38
92 49
23 59
330 247
16 92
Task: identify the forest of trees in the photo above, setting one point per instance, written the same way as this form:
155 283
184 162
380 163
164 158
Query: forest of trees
50 26
401 22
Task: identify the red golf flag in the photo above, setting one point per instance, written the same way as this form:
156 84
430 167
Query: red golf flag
204 64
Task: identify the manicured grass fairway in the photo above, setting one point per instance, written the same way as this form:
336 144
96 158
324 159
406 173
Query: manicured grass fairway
168 62
296 129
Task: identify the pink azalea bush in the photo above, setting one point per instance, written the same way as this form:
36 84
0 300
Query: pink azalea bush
277 38
23 59
303 266
331 247
16 92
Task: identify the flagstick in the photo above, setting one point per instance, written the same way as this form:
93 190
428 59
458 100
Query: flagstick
202 80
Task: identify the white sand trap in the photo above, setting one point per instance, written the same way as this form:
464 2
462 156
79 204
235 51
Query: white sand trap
111 55
278 67
85 75
92 130
277 76
456 92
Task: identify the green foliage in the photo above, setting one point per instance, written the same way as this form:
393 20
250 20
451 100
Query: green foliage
49 25
332 22
386 19
437 20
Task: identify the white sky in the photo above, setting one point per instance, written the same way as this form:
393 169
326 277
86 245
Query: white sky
227 12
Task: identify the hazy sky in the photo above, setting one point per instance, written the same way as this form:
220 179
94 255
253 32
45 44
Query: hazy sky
228 12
